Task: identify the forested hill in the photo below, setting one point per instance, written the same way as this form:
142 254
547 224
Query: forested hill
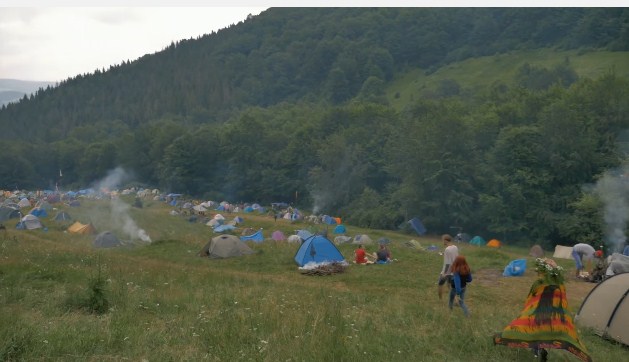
497 121
289 54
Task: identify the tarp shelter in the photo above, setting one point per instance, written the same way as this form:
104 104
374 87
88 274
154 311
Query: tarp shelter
31 222
478 241
62 216
515 268
606 309
225 246
257 237
536 251
417 225
85 229
340 229
494 243
318 249
7 213
106 239
563 252
362 239
278 235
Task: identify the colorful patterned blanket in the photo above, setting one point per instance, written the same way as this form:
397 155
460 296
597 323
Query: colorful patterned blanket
544 323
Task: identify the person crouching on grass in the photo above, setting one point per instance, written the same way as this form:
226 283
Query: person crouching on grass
461 275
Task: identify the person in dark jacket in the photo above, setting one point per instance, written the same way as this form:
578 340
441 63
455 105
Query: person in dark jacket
461 275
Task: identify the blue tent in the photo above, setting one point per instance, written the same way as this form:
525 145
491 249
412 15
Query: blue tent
327 219
39 212
478 240
257 237
317 249
417 225
515 268
248 209
340 229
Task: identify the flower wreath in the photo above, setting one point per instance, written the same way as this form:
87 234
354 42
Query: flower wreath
550 272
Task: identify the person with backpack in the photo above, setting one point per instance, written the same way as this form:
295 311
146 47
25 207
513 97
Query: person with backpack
461 275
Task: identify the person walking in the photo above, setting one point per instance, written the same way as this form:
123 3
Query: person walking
449 254
461 275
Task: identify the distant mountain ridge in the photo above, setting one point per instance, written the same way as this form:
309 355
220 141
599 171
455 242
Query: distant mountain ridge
12 90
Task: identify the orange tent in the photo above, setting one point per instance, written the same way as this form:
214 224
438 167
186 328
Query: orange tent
494 243
79 228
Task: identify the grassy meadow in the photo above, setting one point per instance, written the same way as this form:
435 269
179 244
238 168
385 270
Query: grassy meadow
162 302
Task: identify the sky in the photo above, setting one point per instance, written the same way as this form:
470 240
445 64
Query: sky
50 40
54 43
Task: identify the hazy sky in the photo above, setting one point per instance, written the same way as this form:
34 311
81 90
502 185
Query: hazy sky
54 43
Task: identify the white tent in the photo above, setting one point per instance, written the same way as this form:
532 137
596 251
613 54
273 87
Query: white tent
31 222
563 252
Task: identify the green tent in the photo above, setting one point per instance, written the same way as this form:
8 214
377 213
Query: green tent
478 241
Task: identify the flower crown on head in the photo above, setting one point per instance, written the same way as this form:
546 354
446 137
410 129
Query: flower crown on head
553 273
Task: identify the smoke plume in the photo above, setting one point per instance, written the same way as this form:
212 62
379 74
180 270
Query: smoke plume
613 190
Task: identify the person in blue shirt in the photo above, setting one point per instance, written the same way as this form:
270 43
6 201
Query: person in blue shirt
461 275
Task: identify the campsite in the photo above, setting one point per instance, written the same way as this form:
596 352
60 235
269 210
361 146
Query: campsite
63 298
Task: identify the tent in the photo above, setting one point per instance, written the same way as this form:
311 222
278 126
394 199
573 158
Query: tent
24 203
294 239
563 252
225 246
62 216
318 249
362 239
536 251
418 226
31 222
617 264
606 309
278 235
342 239
384 240
413 244
39 212
106 240
85 229
494 243
7 213
340 229
304 234
478 241
515 268
257 237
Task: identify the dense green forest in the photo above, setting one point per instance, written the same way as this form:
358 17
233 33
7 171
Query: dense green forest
299 105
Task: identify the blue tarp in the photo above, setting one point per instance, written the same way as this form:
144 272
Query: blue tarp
257 237
515 268
317 249
417 225
222 228
39 212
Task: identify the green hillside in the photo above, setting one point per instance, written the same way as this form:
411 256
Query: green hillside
478 74
62 299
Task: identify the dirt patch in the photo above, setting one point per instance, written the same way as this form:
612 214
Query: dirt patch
488 277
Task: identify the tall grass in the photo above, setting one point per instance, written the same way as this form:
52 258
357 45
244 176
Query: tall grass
166 303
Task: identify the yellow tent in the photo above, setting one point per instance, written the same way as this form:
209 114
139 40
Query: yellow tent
79 228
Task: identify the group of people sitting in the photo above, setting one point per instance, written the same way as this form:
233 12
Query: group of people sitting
382 256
